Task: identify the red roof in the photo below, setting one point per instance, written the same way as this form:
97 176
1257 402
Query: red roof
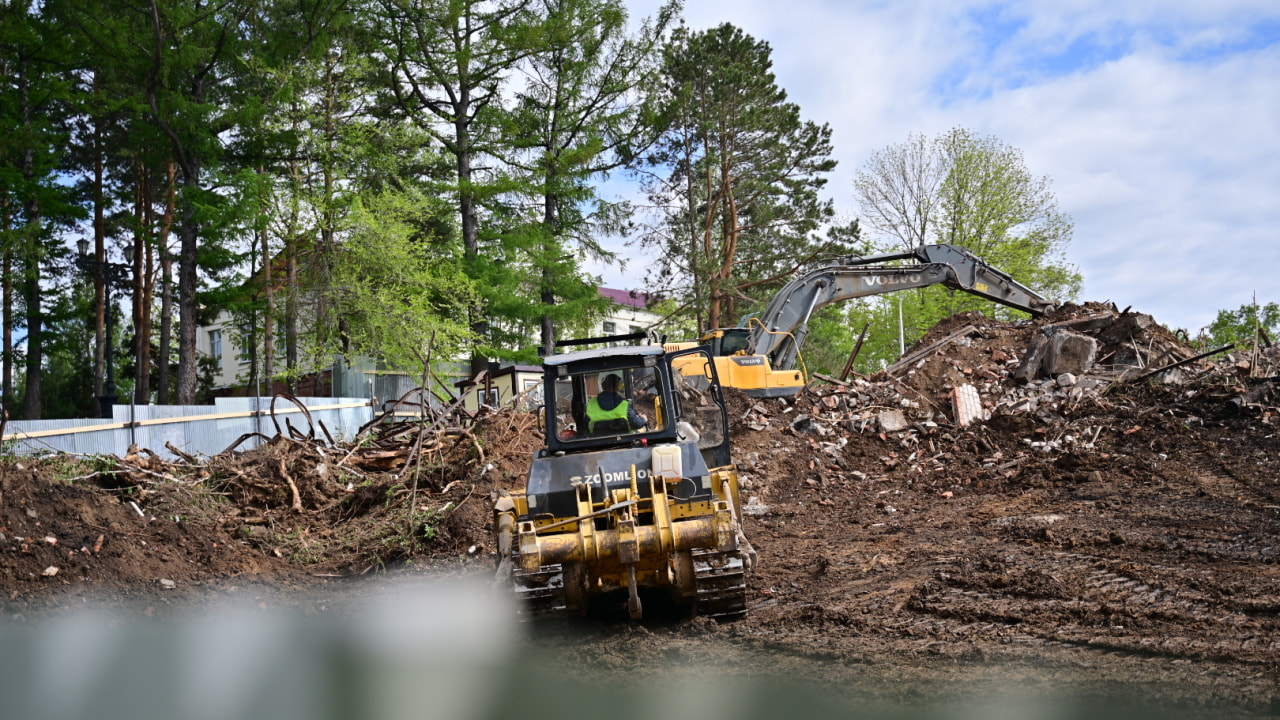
632 298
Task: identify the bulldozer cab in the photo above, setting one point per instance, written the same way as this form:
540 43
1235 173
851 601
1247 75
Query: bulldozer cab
607 403
635 396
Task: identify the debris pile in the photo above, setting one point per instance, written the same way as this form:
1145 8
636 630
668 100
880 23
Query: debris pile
940 402
397 489
1072 356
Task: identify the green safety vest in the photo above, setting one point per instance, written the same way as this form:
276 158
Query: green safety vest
596 414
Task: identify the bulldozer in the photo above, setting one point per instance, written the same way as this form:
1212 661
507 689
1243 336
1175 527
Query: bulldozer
634 500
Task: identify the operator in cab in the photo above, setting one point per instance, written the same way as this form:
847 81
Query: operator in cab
608 411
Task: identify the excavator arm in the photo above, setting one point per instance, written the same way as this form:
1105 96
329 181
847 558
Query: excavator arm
780 331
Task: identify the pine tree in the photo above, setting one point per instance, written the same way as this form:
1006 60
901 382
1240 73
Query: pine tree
35 107
739 173
582 113
449 61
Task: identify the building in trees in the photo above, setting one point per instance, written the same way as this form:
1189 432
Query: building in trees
222 341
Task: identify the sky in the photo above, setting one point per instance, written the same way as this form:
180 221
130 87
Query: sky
1158 123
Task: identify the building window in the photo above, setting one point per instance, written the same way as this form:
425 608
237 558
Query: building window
609 327
215 343
531 393
245 354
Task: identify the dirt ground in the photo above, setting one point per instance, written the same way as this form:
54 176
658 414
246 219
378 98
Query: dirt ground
1120 546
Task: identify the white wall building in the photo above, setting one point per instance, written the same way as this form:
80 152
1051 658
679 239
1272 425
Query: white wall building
216 341
630 313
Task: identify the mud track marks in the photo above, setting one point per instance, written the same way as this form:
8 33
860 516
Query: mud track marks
1085 600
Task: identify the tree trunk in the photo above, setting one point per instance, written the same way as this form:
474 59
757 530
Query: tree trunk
470 223
550 219
165 350
731 232
188 315
255 377
99 255
259 240
291 309
479 323
710 253
32 253
31 401
8 311
269 322
143 288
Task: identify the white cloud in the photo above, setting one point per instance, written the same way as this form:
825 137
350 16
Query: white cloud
1156 121
1169 169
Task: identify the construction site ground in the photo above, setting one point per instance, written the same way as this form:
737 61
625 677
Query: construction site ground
1117 545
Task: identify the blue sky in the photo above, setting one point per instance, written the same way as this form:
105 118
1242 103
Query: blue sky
1157 122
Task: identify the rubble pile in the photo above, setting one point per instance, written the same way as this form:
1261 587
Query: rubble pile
1070 358
1059 383
1040 367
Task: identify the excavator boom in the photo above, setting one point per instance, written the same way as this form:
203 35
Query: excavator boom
781 329
760 356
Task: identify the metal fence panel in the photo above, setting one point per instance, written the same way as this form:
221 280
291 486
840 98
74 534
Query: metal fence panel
389 388
136 425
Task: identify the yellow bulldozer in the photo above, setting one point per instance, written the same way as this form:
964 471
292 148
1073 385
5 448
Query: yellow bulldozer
634 498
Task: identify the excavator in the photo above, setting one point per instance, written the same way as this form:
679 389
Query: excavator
633 502
759 357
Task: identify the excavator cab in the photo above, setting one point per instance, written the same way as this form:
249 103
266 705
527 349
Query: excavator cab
728 341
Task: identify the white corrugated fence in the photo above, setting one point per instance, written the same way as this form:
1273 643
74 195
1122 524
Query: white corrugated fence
193 429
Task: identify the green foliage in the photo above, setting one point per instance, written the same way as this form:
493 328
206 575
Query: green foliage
887 318
401 291
450 61
67 385
1243 327
36 201
974 192
834 332
427 520
736 175
583 111
381 177
547 284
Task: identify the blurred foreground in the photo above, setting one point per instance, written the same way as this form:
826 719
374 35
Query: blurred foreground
439 651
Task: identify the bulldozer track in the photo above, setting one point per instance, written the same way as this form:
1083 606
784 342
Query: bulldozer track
540 593
719 581
721 584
